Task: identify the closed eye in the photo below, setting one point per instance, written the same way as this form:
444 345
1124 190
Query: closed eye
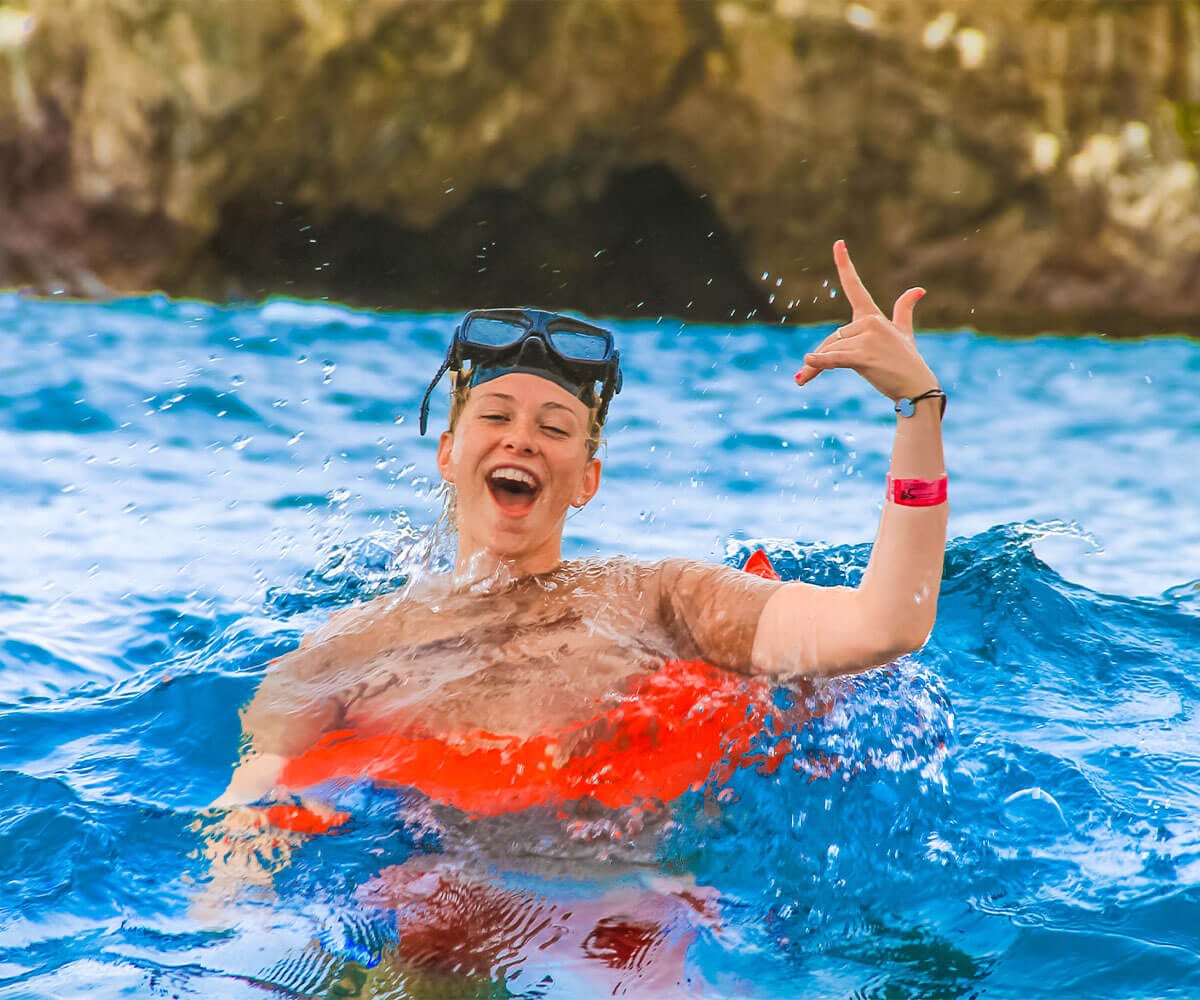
557 431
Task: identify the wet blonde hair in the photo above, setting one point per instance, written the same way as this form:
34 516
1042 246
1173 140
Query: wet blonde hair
460 392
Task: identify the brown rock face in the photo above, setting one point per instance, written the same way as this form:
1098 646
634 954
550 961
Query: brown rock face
1032 163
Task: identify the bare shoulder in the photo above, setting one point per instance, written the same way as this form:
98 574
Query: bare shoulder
711 610
677 581
607 573
299 696
692 578
360 617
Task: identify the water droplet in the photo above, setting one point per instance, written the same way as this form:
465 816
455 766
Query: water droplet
237 381
240 442
327 370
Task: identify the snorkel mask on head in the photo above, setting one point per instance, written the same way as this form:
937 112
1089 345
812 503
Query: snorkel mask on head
570 353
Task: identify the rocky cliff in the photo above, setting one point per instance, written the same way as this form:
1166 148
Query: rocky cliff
1032 162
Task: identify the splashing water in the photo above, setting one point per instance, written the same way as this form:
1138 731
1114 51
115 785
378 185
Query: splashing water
1012 812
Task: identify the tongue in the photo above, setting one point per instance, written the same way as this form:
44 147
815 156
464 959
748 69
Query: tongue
512 498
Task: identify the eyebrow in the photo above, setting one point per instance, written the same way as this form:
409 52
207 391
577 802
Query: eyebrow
511 399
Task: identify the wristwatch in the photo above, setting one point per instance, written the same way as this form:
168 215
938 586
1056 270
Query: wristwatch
907 407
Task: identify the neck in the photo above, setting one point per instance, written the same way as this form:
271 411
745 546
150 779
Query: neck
479 562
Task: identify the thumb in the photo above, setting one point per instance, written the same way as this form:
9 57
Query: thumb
902 311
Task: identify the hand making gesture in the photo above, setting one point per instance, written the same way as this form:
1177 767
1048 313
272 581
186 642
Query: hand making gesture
883 352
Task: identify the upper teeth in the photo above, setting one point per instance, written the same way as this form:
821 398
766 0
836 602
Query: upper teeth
517 475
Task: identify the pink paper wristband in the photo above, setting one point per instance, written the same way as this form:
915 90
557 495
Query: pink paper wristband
916 492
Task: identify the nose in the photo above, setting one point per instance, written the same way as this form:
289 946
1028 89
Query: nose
520 436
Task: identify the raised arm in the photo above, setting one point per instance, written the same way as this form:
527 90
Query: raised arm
830 630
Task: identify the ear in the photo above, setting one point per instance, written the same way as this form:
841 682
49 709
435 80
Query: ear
590 484
444 461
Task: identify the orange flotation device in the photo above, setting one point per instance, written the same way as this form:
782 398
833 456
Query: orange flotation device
677 729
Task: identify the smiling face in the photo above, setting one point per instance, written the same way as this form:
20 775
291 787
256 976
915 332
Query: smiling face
518 459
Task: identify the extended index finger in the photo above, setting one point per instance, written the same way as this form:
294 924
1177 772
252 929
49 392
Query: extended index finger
852 287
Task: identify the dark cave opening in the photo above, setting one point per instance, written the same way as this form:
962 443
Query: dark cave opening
647 246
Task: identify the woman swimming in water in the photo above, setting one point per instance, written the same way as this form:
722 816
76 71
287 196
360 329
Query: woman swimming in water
522 679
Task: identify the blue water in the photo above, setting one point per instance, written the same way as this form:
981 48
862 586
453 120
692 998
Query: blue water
1013 812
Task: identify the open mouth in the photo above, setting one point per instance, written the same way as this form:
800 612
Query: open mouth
514 490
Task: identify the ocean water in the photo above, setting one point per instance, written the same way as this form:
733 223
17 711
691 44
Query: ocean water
1012 812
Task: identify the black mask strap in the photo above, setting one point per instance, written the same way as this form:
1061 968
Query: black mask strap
429 392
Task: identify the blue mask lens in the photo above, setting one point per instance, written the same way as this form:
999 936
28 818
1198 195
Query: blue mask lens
579 346
489 332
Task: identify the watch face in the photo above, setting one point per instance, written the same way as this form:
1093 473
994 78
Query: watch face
905 407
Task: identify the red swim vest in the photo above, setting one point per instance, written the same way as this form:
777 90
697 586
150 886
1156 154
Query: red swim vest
679 727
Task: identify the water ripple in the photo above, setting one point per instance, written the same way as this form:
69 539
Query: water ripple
1012 811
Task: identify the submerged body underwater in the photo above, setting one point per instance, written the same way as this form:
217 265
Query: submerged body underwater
1012 811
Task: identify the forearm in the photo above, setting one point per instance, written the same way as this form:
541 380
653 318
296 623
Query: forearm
241 847
900 587
833 630
253 779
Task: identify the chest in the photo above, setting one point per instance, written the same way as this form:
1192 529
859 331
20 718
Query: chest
514 665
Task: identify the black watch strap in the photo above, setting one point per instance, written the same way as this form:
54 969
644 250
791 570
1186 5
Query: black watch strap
907 407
